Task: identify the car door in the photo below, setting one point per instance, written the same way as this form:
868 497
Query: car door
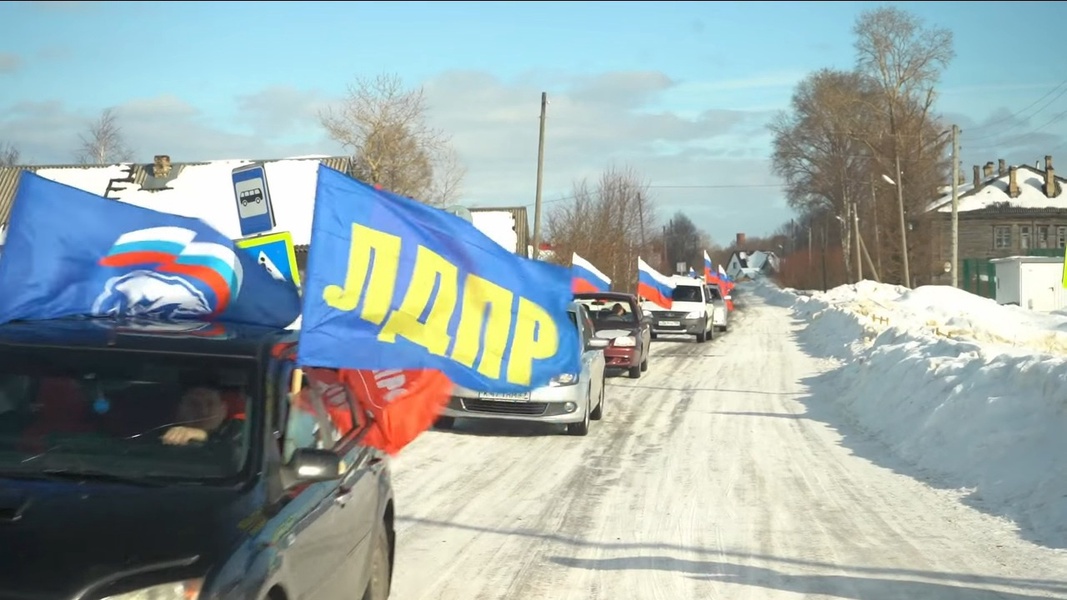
593 361
309 527
645 328
357 493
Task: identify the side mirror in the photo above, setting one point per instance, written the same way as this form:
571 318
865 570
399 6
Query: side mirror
728 297
312 465
598 343
647 314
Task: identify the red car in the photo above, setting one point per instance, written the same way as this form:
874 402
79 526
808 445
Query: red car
618 317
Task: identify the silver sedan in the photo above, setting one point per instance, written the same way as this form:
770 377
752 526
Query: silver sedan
573 399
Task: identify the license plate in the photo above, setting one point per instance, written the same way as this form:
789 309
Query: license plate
670 323
505 397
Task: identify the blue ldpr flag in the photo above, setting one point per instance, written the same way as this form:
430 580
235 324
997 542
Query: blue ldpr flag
395 284
72 253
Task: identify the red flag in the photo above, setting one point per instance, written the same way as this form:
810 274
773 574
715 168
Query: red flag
402 403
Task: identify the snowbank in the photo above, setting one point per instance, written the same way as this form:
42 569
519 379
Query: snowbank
955 384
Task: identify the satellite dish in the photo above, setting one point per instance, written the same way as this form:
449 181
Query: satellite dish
461 212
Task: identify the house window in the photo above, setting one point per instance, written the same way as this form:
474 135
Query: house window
1002 237
1024 237
1042 236
1061 237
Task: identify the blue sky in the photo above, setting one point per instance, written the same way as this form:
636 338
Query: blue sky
226 80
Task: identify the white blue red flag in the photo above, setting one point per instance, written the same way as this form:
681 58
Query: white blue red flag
587 278
653 285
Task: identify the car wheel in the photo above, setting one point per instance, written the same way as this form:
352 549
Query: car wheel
635 372
380 569
445 423
598 412
651 336
702 337
582 427
644 362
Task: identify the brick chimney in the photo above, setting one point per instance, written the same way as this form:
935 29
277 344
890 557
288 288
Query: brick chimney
987 169
1013 182
977 176
1050 178
1002 168
161 165
740 243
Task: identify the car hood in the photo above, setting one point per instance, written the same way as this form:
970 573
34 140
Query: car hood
57 537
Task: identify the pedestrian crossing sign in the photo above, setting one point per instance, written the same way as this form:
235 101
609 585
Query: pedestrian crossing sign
275 253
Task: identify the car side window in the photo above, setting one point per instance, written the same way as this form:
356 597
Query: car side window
320 414
341 410
587 328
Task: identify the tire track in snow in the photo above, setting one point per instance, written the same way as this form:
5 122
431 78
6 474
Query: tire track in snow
706 479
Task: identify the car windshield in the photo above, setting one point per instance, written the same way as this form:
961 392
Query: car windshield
609 313
113 414
687 293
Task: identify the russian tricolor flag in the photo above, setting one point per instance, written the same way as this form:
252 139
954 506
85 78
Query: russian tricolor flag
586 278
707 268
653 286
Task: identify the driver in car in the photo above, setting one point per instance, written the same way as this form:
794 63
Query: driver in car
201 413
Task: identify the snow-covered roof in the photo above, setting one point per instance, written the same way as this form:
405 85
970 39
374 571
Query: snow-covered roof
758 260
205 191
994 191
498 226
201 190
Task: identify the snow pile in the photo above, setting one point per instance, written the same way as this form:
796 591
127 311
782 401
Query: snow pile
956 385
944 311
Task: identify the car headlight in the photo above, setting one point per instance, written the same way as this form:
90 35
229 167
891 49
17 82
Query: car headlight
625 341
565 379
696 314
178 590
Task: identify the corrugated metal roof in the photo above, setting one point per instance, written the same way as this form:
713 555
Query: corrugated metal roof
9 176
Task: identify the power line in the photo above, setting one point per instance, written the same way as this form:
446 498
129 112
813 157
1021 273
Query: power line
687 187
1028 107
1039 111
1013 138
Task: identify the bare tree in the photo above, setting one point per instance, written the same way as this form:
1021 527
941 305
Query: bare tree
383 124
9 154
610 225
905 58
685 243
821 149
104 143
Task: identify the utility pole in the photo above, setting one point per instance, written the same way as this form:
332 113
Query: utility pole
856 230
955 206
811 257
903 221
825 226
540 175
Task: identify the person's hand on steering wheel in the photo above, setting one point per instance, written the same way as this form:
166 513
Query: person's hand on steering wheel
181 436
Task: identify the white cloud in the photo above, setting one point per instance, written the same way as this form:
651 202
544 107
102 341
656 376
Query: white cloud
621 118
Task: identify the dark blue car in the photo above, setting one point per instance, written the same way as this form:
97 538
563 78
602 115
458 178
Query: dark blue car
182 461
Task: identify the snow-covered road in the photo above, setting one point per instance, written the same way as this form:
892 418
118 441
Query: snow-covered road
713 476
